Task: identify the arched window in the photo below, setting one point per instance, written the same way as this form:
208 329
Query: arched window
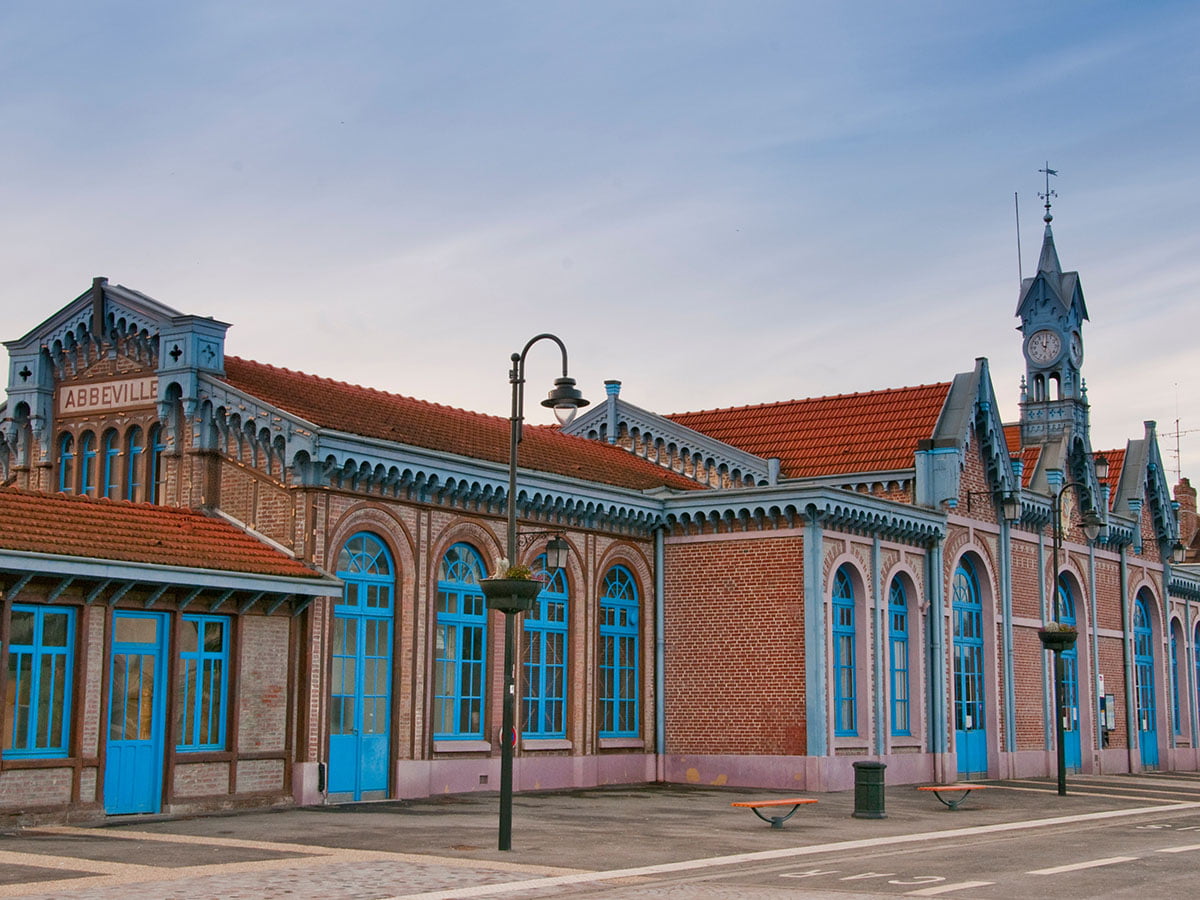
155 476
898 657
845 672
66 462
112 453
619 654
545 658
460 646
133 463
87 464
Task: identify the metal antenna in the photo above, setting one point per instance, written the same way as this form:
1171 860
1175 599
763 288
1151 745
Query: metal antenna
1017 209
1049 193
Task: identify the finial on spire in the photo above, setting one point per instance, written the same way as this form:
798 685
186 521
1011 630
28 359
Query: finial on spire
1047 218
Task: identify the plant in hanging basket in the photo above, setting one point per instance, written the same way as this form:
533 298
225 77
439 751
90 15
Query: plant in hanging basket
1057 635
514 591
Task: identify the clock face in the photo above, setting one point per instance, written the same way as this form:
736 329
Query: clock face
1076 347
1044 346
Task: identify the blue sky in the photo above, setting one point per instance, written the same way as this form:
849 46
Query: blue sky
717 203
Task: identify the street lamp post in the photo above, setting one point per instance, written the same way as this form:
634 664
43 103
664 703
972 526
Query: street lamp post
565 400
1091 523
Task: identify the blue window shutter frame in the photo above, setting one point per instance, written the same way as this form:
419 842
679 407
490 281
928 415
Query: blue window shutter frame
845 670
620 655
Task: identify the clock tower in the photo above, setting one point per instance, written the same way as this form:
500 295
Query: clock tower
1052 312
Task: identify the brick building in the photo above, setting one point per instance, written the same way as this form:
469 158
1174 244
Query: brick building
227 583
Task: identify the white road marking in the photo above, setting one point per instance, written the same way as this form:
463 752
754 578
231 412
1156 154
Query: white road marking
516 887
1186 849
1090 864
947 888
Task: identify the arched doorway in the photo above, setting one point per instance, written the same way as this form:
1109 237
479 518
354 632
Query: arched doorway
1143 666
1072 751
970 707
361 671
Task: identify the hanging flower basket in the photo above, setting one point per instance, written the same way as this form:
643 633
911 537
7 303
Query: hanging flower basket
510 595
1057 639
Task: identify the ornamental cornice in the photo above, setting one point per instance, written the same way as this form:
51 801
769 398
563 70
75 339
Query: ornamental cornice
323 457
646 429
748 509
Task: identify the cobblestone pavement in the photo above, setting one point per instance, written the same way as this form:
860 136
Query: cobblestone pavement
636 841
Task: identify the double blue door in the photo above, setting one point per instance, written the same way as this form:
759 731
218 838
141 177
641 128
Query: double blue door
361 674
1143 665
970 710
136 711
1072 745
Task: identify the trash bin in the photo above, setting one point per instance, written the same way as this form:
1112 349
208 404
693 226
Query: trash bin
868 790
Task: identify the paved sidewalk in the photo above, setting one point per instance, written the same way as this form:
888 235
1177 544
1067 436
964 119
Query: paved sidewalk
446 847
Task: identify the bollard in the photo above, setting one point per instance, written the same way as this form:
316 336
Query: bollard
868 790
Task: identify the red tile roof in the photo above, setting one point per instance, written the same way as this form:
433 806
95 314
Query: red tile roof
876 431
1029 456
71 525
1116 462
392 417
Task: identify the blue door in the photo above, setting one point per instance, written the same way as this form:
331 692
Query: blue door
1143 665
970 710
133 763
1072 749
360 691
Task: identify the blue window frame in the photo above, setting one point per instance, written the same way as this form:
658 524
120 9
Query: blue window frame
155 477
460 646
87 464
112 469
1196 653
1146 701
1176 718
619 654
545 658
898 658
134 449
37 711
66 463
845 673
203 682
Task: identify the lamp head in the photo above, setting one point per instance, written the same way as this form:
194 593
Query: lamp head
1091 524
557 551
1178 553
1101 464
1010 504
565 400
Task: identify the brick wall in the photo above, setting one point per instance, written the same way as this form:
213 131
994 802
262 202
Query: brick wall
209 779
254 776
34 788
735 646
262 708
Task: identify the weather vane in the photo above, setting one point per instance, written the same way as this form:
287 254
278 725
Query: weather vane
1049 193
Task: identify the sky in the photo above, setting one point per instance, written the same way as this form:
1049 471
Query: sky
719 204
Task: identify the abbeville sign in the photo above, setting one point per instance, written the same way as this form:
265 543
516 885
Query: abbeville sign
104 396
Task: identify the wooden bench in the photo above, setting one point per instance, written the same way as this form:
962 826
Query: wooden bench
963 789
776 821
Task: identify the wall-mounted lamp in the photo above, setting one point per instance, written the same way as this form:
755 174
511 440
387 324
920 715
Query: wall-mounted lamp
1009 502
